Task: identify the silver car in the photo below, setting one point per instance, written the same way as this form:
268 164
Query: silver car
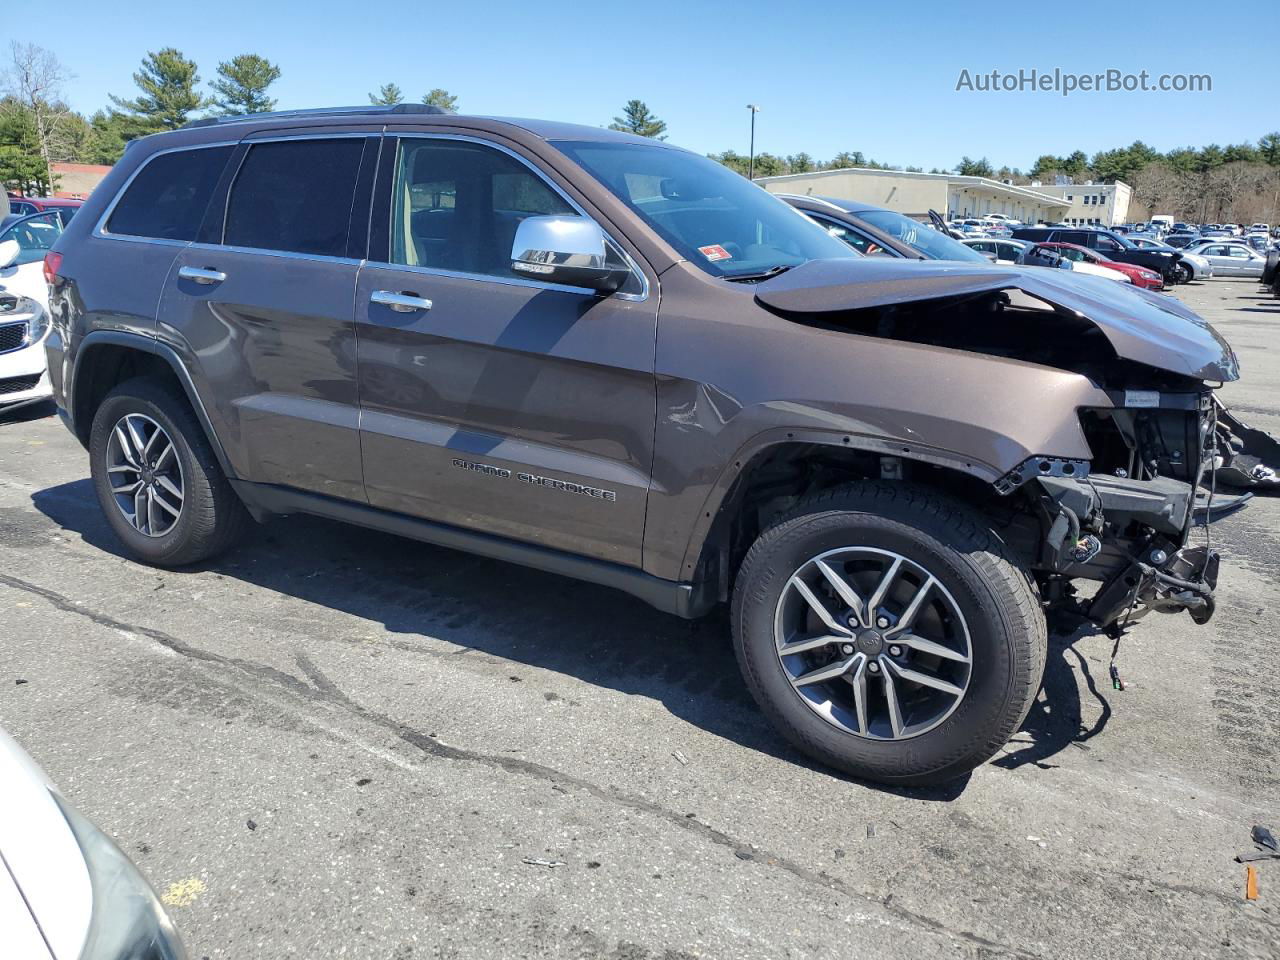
1004 250
1230 258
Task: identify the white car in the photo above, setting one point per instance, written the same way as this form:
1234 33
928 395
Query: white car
68 892
24 308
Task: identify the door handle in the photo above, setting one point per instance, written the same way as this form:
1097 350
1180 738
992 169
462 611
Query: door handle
406 302
201 274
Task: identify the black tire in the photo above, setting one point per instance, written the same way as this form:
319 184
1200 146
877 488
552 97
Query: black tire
1182 272
211 519
998 599
1269 269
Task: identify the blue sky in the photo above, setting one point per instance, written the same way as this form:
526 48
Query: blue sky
877 78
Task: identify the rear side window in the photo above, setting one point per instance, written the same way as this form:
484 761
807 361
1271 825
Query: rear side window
296 196
168 196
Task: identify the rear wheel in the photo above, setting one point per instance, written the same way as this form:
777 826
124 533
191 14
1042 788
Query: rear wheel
157 479
1182 273
884 633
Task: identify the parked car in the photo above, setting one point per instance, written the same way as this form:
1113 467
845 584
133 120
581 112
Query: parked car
1201 269
1043 254
1181 240
68 891
1114 246
874 231
1001 250
607 357
24 307
63 207
1141 276
1230 258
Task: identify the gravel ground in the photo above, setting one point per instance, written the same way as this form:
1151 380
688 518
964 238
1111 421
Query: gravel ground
336 743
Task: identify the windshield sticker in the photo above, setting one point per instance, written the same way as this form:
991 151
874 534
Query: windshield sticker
714 252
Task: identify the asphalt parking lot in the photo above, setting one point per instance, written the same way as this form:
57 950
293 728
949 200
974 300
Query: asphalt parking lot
336 743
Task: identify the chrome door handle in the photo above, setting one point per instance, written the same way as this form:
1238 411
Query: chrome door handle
201 274
400 302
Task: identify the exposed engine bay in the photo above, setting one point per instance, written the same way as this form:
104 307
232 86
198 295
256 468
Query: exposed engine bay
1124 517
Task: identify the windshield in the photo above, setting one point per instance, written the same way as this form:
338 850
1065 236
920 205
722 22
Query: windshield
934 245
713 217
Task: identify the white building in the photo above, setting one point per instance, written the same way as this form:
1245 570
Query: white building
915 194
1101 204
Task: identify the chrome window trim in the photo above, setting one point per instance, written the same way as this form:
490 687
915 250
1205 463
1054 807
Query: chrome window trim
519 281
100 228
282 254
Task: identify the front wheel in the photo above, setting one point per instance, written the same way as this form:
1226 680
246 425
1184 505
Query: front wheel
884 633
1182 273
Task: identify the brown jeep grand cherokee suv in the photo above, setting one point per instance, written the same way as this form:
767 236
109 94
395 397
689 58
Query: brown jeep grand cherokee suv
614 359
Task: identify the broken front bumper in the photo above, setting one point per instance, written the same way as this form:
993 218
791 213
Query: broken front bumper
1132 536
1161 582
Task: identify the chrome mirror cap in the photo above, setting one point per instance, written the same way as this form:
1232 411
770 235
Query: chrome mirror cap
565 249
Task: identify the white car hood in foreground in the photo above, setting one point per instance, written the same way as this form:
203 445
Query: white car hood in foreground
43 860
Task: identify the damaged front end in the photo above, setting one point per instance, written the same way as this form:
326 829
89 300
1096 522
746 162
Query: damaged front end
1124 518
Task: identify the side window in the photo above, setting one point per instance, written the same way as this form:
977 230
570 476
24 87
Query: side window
295 195
35 237
168 196
1105 243
859 241
456 205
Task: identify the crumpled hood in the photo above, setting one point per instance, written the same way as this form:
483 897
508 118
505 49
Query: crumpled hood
1145 327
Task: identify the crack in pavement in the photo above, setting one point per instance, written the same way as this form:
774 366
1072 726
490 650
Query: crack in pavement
323 690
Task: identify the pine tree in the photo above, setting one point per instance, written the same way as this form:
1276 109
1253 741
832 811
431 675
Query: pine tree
387 96
242 85
168 84
638 119
441 98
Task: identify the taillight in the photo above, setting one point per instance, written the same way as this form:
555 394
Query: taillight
52 263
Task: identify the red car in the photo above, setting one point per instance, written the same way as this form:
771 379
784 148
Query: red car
64 207
1141 276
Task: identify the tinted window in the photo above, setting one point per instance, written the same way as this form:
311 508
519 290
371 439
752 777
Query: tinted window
295 195
859 241
457 205
926 240
168 197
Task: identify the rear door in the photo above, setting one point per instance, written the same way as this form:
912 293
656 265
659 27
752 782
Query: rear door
263 309
509 405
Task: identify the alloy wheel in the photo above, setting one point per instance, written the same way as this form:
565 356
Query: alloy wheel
873 643
145 474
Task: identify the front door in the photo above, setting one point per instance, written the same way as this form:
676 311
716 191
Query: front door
490 401
267 316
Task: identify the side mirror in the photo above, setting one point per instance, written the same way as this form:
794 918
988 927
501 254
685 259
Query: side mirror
9 252
568 250
989 255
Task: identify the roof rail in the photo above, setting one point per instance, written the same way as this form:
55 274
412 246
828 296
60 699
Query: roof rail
399 108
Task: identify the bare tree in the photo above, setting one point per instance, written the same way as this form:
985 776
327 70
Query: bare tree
34 81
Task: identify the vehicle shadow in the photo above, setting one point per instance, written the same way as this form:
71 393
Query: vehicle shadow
1055 721
26 412
597 635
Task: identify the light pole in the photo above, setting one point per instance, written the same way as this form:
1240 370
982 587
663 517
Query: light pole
751 157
